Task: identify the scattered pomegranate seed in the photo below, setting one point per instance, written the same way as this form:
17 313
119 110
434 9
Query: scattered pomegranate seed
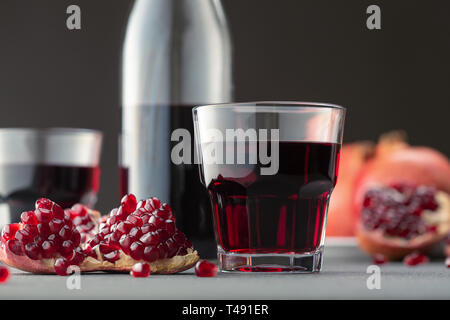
447 262
379 259
140 270
61 267
415 258
4 274
205 268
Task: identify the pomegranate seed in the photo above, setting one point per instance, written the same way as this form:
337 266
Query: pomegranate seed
112 256
125 243
151 254
43 216
150 238
140 270
122 214
129 203
415 258
23 236
44 204
163 214
137 250
4 274
65 233
94 241
163 235
15 247
39 240
75 258
9 231
66 248
43 230
146 228
125 227
136 233
204 268
447 262
145 219
48 249
136 221
163 249
379 259
170 226
89 252
107 248
28 218
55 239
61 267
57 211
182 251
172 248
159 223
33 251
179 237
76 237
155 203
31 229
55 225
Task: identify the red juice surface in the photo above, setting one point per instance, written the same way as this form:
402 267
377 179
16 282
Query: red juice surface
281 213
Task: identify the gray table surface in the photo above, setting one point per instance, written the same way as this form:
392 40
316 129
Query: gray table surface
344 276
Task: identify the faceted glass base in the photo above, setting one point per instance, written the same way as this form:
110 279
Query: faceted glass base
271 262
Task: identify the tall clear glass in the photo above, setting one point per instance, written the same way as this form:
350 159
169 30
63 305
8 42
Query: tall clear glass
269 168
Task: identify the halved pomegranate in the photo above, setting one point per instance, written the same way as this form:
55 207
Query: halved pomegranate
48 241
402 199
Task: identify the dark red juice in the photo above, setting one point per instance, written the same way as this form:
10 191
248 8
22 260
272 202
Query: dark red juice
281 213
22 185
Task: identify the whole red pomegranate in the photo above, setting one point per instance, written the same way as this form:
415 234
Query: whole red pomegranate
49 240
401 199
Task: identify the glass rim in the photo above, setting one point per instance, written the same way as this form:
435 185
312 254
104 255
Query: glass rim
51 131
295 105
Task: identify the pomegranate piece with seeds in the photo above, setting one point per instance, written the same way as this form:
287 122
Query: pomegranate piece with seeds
4 274
415 258
43 234
205 269
140 270
401 218
143 232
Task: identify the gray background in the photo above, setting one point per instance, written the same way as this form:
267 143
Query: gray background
398 77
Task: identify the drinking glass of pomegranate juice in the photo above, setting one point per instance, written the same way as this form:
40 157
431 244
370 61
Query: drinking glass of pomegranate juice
269 168
57 163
